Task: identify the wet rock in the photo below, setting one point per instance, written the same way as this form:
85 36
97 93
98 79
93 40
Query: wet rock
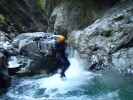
4 76
123 60
6 46
4 40
107 35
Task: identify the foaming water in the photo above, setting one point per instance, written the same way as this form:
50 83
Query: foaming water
13 61
78 85
76 76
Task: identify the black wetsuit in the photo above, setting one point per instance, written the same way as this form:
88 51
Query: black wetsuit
62 57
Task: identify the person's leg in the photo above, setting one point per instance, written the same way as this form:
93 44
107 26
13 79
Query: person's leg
66 64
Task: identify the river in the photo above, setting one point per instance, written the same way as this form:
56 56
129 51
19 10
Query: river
78 85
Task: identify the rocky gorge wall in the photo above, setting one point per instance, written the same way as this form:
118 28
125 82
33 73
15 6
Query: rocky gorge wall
71 15
104 36
49 15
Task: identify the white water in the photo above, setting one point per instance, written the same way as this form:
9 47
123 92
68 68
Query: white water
13 63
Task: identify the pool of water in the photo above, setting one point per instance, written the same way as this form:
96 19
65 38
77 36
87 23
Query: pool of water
78 85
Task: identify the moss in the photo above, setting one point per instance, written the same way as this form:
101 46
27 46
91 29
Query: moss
41 4
2 19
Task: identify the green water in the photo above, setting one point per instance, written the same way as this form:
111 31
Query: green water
79 85
95 88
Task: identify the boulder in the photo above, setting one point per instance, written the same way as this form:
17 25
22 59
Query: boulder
4 76
38 47
107 35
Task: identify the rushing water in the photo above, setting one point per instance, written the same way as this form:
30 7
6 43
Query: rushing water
79 85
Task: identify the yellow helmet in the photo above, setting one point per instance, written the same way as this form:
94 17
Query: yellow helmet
60 38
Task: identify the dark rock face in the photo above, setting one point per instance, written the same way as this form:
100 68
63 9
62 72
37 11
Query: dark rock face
4 77
22 16
102 42
49 15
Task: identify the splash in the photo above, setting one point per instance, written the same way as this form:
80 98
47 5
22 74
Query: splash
76 76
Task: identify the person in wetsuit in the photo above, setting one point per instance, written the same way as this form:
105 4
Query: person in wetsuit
60 47
58 51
